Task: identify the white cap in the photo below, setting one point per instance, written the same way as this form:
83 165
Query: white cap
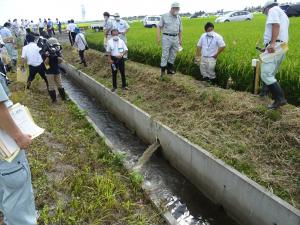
117 15
175 5
269 3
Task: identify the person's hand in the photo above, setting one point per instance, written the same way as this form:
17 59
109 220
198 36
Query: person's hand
120 56
215 56
23 68
271 48
23 141
197 60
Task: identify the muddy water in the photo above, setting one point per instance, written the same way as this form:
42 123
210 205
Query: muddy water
166 185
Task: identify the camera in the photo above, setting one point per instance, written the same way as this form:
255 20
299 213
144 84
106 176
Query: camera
49 47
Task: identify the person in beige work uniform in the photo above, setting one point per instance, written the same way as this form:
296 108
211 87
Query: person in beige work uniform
171 27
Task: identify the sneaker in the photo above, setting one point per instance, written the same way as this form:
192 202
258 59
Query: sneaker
113 89
125 88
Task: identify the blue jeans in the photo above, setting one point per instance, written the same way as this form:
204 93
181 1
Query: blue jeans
16 193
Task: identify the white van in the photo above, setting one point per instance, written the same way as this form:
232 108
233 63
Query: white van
151 21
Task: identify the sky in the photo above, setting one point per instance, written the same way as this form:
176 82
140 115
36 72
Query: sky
67 9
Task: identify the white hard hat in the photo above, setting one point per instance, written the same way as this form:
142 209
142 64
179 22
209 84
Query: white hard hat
53 41
175 5
117 15
269 3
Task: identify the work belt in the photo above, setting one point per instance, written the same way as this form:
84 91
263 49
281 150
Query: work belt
172 35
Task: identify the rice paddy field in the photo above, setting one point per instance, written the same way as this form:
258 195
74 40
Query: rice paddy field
241 39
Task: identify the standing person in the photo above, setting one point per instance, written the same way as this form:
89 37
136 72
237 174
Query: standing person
107 28
31 54
122 26
53 72
209 47
15 28
116 49
50 27
10 45
171 26
16 192
276 33
71 28
58 23
41 26
81 44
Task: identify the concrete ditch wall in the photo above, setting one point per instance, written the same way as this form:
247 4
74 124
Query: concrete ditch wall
242 198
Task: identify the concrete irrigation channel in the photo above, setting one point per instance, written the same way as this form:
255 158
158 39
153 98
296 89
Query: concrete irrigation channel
200 175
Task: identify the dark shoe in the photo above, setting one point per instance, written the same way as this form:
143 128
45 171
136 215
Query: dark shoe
278 96
84 63
213 81
113 89
170 69
205 79
162 71
53 96
62 93
125 88
264 91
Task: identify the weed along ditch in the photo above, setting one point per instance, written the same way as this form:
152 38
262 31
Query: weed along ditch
178 175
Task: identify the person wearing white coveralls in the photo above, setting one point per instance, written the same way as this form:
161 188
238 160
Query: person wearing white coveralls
209 47
16 193
276 33
170 26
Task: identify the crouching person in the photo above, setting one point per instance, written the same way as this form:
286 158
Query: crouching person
16 193
116 50
52 62
209 48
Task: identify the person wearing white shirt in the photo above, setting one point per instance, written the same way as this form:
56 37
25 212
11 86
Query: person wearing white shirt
276 33
122 26
81 44
209 47
71 28
31 55
41 26
116 49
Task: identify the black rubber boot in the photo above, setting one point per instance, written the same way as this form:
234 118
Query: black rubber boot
53 96
62 93
264 91
162 71
170 69
278 96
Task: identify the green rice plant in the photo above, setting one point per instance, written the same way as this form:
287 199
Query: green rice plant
241 39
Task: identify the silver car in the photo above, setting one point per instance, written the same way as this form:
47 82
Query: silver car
235 16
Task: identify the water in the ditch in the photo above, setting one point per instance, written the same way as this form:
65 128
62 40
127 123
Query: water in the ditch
167 186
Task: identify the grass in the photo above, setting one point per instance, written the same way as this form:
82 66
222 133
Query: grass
234 126
241 39
76 178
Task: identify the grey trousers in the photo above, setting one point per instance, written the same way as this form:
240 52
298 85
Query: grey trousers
170 47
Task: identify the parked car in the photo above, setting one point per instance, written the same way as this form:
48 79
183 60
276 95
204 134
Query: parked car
284 7
293 10
97 26
235 16
151 21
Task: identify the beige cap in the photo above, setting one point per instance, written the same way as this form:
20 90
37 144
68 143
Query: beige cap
175 5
